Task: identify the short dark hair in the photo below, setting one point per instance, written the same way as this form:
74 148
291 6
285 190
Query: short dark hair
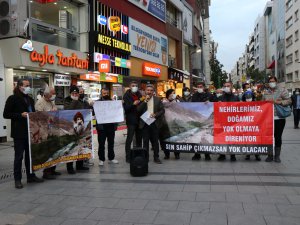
244 85
200 83
228 82
104 89
272 77
186 89
19 84
169 92
133 82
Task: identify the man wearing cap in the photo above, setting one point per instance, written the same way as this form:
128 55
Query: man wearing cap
73 102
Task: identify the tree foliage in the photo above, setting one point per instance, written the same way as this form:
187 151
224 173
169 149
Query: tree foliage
255 75
218 76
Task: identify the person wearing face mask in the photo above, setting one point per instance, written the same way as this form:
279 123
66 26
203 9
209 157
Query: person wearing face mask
186 95
70 103
170 97
296 107
248 90
46 103
16 109
278 96
202 96
83 99
228 96
219 93
106 132
131 100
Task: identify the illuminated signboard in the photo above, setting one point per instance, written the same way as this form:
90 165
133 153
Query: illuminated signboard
104 66
115 61
151 69
114 43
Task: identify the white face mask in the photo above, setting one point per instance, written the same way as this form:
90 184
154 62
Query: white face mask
200 90
272 84
27 90
219 94
53 98
74 98
249 89
248 99
227 89
134 89
173 96
186 93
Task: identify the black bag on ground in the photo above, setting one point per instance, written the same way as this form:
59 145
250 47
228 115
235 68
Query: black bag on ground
138 162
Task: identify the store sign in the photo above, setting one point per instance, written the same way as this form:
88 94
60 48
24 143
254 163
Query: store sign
110 78
150 69
90 76
59 58
102 20
156 8
114 24
148 44
62 80
175 75
187 24
114 61
104 66
114 43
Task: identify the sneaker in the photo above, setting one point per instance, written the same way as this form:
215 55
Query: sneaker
18 184
232 158
196 157
257 157
49 176
157 160
177 156
101 163
207 157
71 171
222 158
34 179
247 157
114 161
82 168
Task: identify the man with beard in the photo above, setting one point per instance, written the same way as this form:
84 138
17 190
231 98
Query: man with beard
73 102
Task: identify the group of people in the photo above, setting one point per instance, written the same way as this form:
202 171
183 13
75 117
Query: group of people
135 104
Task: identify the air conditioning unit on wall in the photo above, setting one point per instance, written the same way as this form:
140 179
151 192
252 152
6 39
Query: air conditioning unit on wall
13 15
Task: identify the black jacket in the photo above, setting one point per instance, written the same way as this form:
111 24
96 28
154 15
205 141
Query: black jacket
70 104
229 98
159 112
294 101
202 97
106 126
14 107
131 113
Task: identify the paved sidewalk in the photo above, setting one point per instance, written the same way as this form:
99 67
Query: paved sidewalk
176 192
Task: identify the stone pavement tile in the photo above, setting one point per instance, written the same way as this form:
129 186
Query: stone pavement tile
126 194
116 223
196 188
224 188
103 202
7 195
221 170
293 179
208 219
75 200
161 195
175 178
272 179
200 170
276 220
186 206
106 214
272 198
251 189
41 220
50 199
297 189
240 197
224 207
198 178
131 204
260 209
240 219
80 222
14 219
170 187
281 190
162 205
5 204
74 191
26 197
144 187
176 195
173 218
210 197
223 178
100 193
247 178
289 210
78 212
20 208
117 186
294 199
138 216
47 209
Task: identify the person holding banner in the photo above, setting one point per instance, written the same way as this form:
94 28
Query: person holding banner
186 95
296 107
278 96
16 109
46 103
73 102
154 107
131 100
228 96
170 97
106 131
202 95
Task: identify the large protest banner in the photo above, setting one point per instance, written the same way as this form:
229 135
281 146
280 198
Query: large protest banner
220 127
59 136
109 111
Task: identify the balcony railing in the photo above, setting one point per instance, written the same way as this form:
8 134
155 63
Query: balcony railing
54 35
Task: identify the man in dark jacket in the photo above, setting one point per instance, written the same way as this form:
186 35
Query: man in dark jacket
150 132
228 96
131 100
17 108
296 107
73 102
106 131
202 96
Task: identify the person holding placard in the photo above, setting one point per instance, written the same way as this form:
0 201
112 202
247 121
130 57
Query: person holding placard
152 111
105 132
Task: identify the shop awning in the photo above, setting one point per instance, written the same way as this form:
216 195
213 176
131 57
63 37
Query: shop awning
271 65
181 71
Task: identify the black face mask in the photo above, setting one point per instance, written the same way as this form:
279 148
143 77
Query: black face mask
106 97
81 96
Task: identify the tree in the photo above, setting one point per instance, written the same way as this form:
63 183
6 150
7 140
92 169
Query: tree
256 75
218 76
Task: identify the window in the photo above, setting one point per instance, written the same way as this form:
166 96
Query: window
297 56
297 75
296 15
296 35
172 15
289 41
289 23
289 77
289 59
288 4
